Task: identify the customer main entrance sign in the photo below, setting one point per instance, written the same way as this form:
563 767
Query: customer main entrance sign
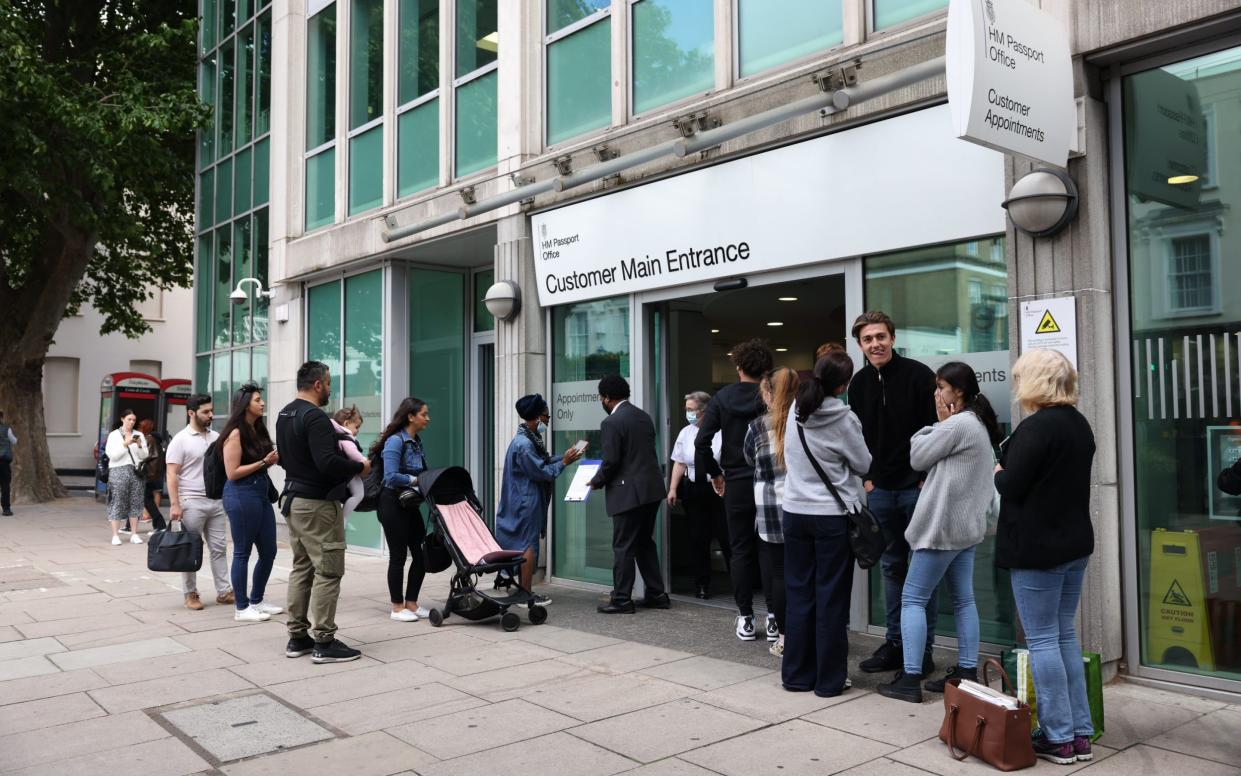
1010 79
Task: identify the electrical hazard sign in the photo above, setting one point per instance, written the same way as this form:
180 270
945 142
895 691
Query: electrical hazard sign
1050 324
1047 325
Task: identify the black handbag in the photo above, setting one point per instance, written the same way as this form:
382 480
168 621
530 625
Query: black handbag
867 539
435 555
174 551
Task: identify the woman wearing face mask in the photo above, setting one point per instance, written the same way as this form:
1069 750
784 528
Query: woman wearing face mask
526 489
704 508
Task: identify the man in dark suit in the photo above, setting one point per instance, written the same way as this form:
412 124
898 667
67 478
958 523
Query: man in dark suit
635 487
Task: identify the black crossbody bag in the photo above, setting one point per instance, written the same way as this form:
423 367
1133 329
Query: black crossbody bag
867 539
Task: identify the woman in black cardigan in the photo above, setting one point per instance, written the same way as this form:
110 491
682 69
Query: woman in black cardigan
1045 538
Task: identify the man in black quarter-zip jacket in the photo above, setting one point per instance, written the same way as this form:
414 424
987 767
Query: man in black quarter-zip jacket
894 397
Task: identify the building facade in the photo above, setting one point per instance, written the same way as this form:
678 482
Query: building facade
661 179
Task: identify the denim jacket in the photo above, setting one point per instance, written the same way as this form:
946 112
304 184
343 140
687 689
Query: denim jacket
402 462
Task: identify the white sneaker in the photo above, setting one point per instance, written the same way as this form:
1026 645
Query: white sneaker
422 612
267 608
251 614
135 539
116 540
745 627
773 633
404 615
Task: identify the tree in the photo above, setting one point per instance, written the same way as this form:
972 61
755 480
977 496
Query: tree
98 112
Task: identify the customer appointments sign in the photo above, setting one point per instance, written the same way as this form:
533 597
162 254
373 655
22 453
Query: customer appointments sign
1010 78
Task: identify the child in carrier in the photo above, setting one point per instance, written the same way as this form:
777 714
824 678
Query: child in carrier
348 421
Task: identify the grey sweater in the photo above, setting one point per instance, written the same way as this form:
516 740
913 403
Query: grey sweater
834 435
952 507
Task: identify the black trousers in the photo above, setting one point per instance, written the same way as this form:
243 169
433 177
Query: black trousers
150 490
771 563
740 511
633 543
6 479
404 532
818 574
706 522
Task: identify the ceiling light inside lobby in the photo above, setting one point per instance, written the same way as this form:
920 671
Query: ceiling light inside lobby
787 299
775 323
1181 180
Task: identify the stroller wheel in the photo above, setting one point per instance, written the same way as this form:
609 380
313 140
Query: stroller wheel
537 615
436 618
510 621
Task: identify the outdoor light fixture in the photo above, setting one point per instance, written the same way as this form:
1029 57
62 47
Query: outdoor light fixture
239 295
503 300
1042 203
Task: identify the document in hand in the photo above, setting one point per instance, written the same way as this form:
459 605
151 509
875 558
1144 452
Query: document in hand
579 487
987 694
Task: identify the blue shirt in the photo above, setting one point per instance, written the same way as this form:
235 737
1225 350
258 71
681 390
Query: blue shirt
402 462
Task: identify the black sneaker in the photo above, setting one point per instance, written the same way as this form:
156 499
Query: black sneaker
953 672
124 529
903 687
334 651
887 658
298 646
539 600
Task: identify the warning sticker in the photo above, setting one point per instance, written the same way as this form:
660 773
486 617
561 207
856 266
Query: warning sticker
1048 324
1176 595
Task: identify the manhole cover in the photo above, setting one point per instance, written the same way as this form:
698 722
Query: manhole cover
244 727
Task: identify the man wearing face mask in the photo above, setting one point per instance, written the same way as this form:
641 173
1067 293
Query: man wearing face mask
526 489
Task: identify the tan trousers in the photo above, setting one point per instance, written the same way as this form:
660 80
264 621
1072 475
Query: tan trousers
317 537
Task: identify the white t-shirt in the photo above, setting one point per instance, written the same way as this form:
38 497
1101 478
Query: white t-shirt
683 450
187 450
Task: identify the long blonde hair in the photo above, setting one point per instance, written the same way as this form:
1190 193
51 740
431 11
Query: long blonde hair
781 384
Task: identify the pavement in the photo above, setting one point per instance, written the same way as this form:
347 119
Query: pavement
102 671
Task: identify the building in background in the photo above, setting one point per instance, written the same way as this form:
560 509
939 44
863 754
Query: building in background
360 146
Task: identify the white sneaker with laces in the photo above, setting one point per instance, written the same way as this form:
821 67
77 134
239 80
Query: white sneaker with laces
773 633
251 614
135 539
745 627
422 612
267 608
116 540
404 615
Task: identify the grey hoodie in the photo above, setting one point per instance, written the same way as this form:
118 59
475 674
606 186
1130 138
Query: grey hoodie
834 434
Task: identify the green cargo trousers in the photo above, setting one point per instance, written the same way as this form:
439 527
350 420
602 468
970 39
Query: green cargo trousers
317 536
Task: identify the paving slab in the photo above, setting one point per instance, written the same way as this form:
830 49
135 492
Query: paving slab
763 698
373 754
283 669
77 738
395 708
557 753
18 650
169 689
384 630
119 635
15 617
1126 724
883 767
1122 693
344 686
49 685
162 757
505 683
933 756
563 639
71 625
663 731
883 719
489 656
599 696
118 653
673 766
625 657
22 667
47 712
9 633
794 748
1215 736
167 665
706 673
482 728
422 646
1142 760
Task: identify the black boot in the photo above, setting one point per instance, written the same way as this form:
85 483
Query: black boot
904 687
953 672
886 658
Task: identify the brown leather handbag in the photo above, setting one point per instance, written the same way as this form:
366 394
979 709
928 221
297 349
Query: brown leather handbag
996 735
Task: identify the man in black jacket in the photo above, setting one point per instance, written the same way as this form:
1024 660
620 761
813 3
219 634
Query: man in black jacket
635 487
894 397
316 476
730 412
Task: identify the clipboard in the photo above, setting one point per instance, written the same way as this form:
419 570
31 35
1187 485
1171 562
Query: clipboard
579 486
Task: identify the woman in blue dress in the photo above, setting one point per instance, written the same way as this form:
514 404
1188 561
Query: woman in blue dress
526 490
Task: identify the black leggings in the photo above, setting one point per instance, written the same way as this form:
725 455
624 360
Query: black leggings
771 564
149 492
404 532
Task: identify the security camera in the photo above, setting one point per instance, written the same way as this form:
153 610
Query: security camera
238 296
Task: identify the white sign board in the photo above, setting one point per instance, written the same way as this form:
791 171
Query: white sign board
993 370
889 185
1050 324
1010 79
575 406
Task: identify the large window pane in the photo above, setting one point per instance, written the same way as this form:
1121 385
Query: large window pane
950 303
206 95
202 374
224 100
363 371
673 51
418 148
589 340
222 326
245 85
208 19
228 17
437 360
223 190
206 200
366 62
579 82
242 181
323 326
241 372
321 78
771 32
202 295
262 171
1185 317
478 42
259 370
419 49
889 13
320 189
366 170
483 319
262 116
221 388
241 269
562 13
260 306
476 125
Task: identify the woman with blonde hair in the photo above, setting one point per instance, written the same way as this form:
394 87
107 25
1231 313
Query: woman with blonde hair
1045 538
763 449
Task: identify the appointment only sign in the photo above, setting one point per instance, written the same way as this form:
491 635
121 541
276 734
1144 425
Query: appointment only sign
1010 78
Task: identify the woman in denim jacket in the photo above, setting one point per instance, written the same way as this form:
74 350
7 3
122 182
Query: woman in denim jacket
403 461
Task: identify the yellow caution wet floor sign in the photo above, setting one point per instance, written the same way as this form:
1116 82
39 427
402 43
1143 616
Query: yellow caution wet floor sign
1178 630
1047 325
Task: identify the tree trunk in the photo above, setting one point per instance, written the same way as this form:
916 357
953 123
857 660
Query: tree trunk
21 399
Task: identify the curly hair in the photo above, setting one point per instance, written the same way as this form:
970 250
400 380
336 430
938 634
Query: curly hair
753 357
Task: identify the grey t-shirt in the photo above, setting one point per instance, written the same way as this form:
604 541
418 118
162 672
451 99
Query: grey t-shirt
187 450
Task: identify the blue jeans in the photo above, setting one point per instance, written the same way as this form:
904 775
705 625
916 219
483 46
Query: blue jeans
926 569
1047 603
894 509
253 525
818 579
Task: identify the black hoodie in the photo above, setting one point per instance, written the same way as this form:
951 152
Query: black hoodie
730 411
893 403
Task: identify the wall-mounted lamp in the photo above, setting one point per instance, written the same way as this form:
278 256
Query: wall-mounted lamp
239 295
1042 203
503 300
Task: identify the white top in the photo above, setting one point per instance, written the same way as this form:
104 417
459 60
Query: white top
119 455
683 450
187 450
12 436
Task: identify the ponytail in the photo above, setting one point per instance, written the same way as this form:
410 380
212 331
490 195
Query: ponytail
831 373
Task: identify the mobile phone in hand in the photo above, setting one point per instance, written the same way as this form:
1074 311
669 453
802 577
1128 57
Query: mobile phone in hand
580 446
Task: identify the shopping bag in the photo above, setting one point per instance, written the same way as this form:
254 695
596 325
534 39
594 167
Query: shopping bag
1017 663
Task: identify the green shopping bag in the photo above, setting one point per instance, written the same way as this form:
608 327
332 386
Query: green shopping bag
1017 663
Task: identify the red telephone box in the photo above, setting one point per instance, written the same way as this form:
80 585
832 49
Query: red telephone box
173 395
125 391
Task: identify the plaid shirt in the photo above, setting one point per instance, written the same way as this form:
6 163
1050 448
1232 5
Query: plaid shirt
759 451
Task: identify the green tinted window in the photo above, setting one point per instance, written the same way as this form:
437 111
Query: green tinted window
207 21
483 319
241 369
478 42
224 99
419 44
262 171
206 95
221 389
562 13
366 62
202 294
418 148
889 13
242 181
771 32
222 316
579 82
366 170
258 369
258 316
228 17
323 325
321 78
223 190
242 269
202 374
245 85
437 360
476 125
673 51
206 200
363 370
321 189
262 117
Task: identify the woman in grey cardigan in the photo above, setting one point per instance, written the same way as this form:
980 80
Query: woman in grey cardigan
948 523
